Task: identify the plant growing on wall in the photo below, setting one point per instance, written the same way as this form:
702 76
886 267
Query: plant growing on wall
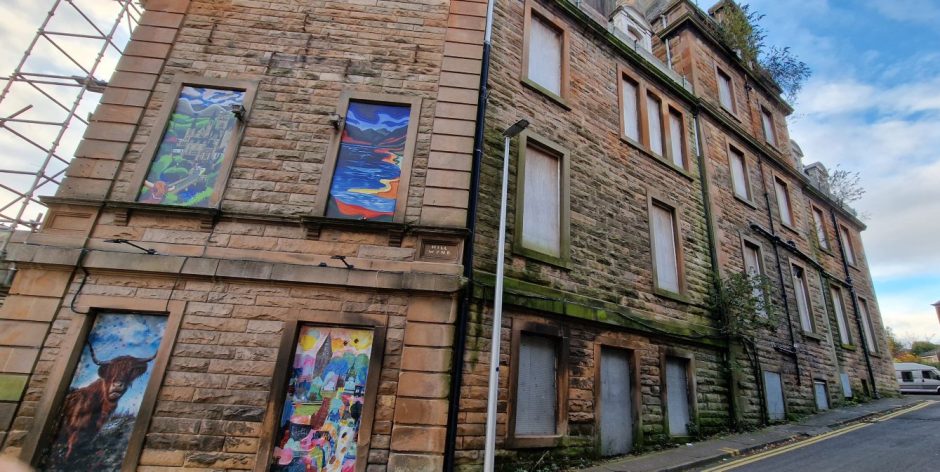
739 27
740 298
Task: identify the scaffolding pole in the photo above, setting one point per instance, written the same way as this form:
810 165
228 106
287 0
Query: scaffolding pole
42 99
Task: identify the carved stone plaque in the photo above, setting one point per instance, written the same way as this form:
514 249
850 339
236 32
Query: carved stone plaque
439 250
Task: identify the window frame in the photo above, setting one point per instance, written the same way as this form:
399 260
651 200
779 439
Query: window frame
285 354
813 328
533 8
647 113
666 105
149 152
772 138
690 368
669 110
49 407
661 201
719 72
848 245
762 267
731 149
824 243
527 138
615 342
332 153
791 225
845 340
533 327
868 337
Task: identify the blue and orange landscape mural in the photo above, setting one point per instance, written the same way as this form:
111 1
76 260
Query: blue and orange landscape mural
368 166
319 425
105 393
185 169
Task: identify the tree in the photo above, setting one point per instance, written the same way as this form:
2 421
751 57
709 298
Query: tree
894 345
919 348
845 186
740 28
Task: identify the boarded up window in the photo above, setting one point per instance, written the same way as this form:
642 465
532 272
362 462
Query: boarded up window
846 385
320 420
725 92
545 50
665 256
631 116
677 395
537 388
676 138
866 324
186 167
616 419
105 393
767 121
820 224
541 215
822 395
802 298
368 164
739 174
847 244
754 266
773 391
839 307
654 119
783 201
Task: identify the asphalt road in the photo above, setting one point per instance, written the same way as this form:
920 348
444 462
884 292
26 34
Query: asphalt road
909 443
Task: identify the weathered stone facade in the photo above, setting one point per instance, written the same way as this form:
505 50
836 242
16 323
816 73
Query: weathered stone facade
236 279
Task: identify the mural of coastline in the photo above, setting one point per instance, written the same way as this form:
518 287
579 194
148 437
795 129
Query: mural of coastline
319 426
185 169
368 167
105 393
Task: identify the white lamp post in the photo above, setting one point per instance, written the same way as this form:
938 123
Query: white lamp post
489 453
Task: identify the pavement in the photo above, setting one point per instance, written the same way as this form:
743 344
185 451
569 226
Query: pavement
698 454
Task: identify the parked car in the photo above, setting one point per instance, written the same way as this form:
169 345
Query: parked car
917 378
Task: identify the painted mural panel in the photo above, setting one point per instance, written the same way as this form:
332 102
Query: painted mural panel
368 166
105 393
185 169
319 425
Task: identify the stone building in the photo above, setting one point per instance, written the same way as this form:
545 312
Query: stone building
274 246
666 160
275 195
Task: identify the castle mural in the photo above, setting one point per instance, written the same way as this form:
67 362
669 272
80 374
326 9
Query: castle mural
105 393
185 169
320 422
368 167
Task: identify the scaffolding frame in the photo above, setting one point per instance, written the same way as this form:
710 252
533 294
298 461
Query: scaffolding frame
42 170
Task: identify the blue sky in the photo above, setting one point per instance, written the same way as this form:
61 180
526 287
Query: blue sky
873 106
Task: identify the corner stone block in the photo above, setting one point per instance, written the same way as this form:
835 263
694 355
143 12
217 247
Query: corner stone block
22 333
418 439
49 283
427 334
419 411
414 463
432 309
28 307
12 386
418 384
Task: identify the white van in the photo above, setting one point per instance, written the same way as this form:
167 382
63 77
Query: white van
917 378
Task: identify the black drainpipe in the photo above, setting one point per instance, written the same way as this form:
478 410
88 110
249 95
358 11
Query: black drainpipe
858 314
463 311
783 288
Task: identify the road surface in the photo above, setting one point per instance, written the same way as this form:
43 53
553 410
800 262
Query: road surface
907 442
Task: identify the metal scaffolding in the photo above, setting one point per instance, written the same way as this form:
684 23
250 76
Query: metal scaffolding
44 105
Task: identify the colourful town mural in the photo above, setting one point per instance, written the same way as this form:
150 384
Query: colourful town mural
185 169
319 425
104 396
368 167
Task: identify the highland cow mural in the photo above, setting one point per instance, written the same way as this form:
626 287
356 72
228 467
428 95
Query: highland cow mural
319 426
185 169
368 167
104 396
